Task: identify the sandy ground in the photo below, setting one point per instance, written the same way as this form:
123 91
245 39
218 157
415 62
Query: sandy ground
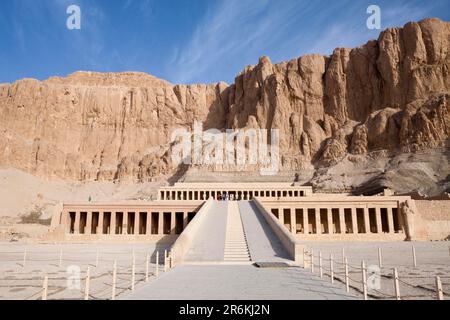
25 282
432 258
24 194
19 282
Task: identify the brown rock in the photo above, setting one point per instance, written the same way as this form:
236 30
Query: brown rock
390 94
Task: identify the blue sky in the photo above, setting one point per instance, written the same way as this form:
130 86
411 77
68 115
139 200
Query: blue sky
185 41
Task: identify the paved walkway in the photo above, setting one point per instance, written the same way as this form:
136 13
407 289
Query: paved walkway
264 245
221 282
209 242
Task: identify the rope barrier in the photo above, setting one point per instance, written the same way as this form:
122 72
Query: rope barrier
35 294
382 293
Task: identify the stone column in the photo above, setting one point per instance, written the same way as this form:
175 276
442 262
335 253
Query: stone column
148 224
342 220
185 219
136 222
354 221
112 225
305 221
66 220
390 214
281 215
125 223
378 217
173 217
161 223
77 223
330 221
366 220
293 220
318 222
101 215
88 223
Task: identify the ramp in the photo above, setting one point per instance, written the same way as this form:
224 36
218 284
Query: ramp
209 242
235 233
263 244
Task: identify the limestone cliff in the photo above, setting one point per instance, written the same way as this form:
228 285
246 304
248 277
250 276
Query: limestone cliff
392 94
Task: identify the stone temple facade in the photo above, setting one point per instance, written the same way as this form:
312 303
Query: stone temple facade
304 215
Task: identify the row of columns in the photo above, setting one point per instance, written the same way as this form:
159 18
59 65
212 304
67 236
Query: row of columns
204 195
341 221
137 225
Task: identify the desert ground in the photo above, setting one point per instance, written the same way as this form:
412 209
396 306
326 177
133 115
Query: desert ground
64 265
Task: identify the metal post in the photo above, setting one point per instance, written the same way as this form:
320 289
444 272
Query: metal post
347 282
147 259
114 280
320 265
304 258
343 255
165 260
439 292
157 264
414 256
396 285
45 288
87 285
331 268
364 279
133 270
380 264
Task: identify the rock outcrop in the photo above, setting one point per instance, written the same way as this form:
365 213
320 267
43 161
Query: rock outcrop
391 94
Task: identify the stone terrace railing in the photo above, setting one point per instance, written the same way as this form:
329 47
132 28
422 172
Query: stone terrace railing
292 245
184 241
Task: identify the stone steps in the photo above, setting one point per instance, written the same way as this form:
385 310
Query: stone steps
236 247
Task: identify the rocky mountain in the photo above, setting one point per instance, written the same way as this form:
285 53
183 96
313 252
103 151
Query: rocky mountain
390 96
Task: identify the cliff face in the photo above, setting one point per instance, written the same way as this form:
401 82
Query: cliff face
392 94
93 126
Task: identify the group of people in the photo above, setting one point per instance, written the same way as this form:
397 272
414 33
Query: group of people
226 197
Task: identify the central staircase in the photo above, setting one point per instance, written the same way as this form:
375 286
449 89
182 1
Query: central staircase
236 246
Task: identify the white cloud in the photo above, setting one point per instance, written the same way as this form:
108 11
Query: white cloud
232 28
353 33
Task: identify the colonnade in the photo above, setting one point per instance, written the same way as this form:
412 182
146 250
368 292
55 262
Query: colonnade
234 194
129 222
339 219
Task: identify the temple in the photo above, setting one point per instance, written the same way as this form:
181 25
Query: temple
304 214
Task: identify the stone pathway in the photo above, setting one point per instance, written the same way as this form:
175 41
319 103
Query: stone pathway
209 242
243 282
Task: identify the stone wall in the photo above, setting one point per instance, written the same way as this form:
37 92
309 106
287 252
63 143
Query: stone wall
433 220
